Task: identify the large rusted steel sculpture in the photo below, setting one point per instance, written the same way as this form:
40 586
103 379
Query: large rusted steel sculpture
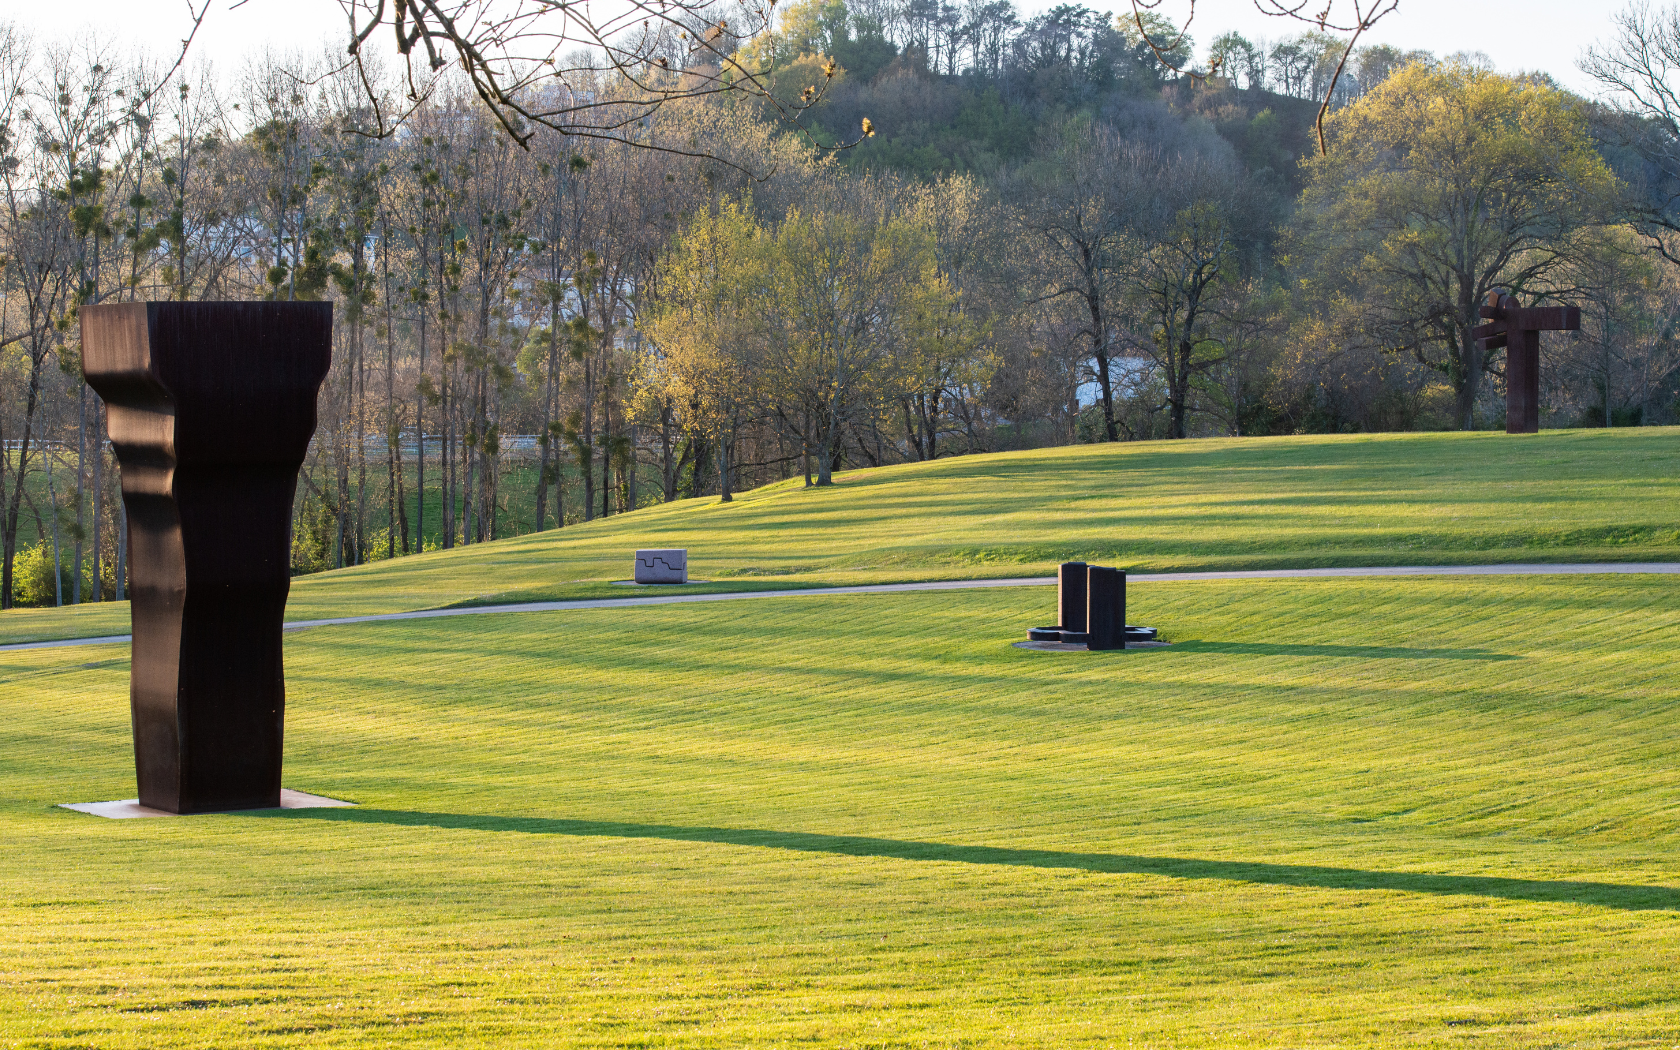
1517 328
211 407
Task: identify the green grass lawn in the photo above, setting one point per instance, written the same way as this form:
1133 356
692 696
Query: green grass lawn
1389 499
1365 812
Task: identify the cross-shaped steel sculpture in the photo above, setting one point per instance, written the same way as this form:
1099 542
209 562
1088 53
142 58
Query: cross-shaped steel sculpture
1517 328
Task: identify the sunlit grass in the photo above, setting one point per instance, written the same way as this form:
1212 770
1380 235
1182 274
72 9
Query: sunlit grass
1334 813
1391 499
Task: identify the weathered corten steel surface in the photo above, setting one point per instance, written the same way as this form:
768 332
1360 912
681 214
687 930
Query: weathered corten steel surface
211 407
1517 328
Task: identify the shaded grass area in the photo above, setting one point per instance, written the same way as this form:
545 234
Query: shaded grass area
1391 499
1367 812
1608 895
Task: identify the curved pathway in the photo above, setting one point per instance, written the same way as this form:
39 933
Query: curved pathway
1597 568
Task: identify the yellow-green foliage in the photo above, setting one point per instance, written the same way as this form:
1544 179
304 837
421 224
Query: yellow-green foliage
1435 156
1440 185
1344 813
32 575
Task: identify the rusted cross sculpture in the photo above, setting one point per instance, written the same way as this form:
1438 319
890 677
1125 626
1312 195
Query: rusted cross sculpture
1517 328
211 409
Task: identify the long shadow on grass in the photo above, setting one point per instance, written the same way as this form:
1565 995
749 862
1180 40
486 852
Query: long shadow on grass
1380 652
1602 894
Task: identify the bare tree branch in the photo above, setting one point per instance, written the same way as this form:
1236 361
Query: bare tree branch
595 69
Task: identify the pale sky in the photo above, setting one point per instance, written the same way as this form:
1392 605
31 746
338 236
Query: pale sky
1546 35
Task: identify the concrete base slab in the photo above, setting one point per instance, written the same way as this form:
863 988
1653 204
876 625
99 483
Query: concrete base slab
129 808
674 583
1065 647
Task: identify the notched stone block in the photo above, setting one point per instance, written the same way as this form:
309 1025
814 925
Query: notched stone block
662 566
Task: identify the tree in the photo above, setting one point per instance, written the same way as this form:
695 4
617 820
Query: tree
1154 33
1441 185
707 326
1354 18
1625 351
1640 74
951 363
1191 233
1078 206
845 279
1236 57
587 72
554 222
45 243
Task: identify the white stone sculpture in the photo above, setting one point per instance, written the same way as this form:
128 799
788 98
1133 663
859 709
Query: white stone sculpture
662 566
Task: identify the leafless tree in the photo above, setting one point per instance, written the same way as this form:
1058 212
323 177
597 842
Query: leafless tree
42 263
1640 74
601 70
1079 210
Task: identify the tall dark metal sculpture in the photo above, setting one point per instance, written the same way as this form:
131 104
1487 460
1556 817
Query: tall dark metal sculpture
211 407
1070 596
1517 329
1092 602
1105 611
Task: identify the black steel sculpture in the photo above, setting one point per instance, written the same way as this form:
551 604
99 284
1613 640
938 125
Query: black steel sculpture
1070 600
1105 613
1092 602
1517 329
210 407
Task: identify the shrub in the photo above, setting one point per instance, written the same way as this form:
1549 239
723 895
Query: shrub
32 576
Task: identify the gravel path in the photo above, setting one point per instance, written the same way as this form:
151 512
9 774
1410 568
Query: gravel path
1665 568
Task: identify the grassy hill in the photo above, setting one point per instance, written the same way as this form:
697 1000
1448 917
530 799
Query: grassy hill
1336 813
1390 499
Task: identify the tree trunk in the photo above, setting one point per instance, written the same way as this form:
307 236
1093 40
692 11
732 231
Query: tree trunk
420 446
16 503
341 476
930 423
630 469
468 468
98 502
805 449
393 432
1099 349
665 442
122 551
559 491
606 448
81 492
52 508
1467 382
698 454
446 452
359 379
726 450
586 448
1178 392
828 452
544 438
401 500
912 433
